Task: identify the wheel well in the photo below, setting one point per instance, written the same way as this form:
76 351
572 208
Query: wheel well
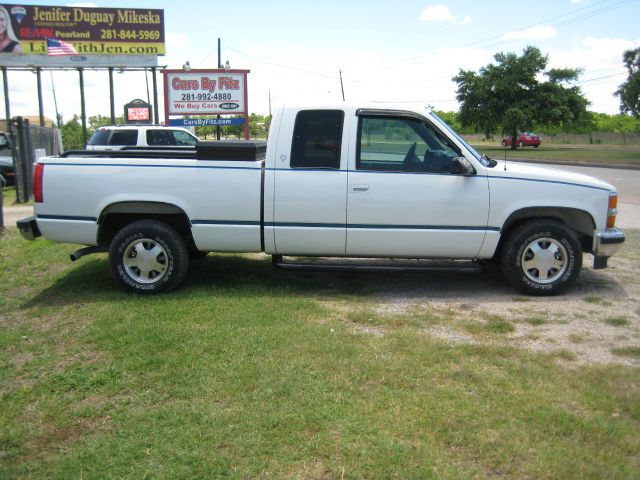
117 215
579 221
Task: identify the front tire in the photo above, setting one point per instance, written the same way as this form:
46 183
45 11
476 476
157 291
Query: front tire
541 257
148 256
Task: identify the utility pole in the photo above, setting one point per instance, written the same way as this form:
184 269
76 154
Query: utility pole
112 104
55 100
219 66
40 107
83 110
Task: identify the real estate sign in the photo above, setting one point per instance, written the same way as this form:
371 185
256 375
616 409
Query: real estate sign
92 32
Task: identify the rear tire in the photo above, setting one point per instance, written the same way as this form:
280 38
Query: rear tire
541 257
148 256
521 144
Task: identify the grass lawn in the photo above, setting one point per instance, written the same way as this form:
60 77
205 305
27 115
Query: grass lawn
586 154
606 154
249 372
8 196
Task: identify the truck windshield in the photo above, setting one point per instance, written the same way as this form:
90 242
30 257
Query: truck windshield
484 160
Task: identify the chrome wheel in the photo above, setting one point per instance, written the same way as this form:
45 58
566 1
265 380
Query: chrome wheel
544 260
145 260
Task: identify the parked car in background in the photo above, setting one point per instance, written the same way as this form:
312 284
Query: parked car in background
524 139
120 136
6 160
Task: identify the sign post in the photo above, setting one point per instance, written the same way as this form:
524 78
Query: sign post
206 92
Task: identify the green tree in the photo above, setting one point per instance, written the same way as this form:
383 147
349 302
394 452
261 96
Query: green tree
450 118
615 123
509 97
629 91
98 121
72 134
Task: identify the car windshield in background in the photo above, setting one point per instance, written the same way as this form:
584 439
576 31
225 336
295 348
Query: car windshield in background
100 137
183 138
163 137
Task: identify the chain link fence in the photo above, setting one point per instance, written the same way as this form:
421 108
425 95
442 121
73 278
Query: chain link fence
28 143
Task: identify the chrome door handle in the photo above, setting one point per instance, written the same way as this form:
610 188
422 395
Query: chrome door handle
359 187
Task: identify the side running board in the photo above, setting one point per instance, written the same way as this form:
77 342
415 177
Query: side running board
380 265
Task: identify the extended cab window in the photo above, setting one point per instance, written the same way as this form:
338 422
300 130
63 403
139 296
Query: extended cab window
124 137
402 144
317 137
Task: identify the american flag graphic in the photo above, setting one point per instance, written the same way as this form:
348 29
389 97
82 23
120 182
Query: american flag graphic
57 47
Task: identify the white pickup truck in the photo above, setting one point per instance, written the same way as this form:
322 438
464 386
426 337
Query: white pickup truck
343 181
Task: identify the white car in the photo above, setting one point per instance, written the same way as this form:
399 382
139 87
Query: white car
120 136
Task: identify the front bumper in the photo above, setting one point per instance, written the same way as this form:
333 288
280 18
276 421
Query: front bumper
605 244
29 228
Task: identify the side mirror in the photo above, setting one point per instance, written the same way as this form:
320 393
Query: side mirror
4 142
461 166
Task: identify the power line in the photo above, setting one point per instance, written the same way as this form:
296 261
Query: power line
572 12
301 70
579 18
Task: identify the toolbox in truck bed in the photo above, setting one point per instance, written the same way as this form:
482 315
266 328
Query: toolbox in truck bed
231 150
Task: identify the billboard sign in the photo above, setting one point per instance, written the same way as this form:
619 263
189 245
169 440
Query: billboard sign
137 111
205 92
79 61
91 31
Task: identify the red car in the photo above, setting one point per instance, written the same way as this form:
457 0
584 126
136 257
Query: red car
525 139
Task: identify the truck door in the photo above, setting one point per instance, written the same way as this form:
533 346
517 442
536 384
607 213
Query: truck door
310 188
405 197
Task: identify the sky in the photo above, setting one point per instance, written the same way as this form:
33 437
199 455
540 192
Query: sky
387 51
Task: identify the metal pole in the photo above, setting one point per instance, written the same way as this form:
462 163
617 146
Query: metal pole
40 107
219 66
55 100
20 161
6 99
111 99
83 112
146 80
27 167
1 211
156 118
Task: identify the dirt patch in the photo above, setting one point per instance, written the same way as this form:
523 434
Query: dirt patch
14 213
596 322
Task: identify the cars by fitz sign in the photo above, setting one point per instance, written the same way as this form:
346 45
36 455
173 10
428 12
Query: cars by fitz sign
206 92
